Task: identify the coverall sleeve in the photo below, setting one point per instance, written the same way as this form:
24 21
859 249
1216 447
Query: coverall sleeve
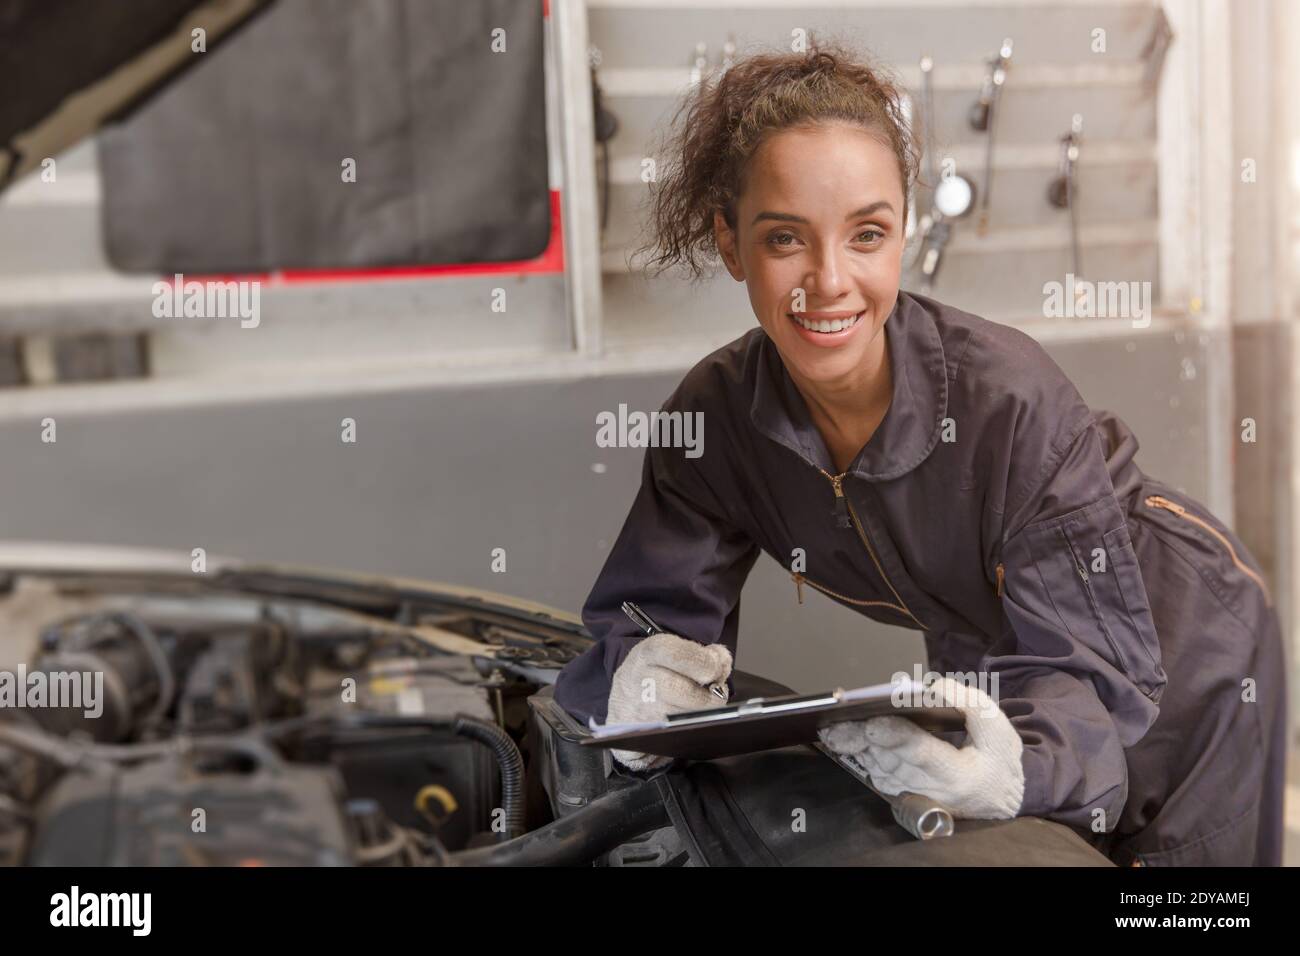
1078 663
680 558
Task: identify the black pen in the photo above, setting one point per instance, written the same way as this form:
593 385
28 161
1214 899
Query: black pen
642 620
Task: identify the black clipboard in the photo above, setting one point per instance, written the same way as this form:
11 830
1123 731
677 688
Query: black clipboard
767 723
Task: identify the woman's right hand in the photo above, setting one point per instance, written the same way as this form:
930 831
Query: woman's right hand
664 674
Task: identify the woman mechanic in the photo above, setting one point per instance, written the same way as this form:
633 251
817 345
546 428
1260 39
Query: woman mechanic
937 471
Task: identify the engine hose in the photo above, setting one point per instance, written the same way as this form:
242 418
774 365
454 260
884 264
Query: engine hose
578 838
133 625
512 769
157 656
69 754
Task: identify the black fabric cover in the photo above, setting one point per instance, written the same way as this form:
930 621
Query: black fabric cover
738 811
237 166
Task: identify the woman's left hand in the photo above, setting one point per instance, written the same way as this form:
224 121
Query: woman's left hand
982 780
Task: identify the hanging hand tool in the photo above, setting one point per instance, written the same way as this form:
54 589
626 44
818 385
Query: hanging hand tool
952 196
983 118
1063 190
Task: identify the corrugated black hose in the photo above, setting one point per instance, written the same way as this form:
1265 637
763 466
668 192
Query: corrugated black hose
580 837
512 769
490 735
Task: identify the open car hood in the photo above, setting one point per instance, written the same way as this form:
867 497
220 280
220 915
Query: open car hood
403 605
69 66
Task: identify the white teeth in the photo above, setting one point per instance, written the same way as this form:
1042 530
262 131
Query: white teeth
827 325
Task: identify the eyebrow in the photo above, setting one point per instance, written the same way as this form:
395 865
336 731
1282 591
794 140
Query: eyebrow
790 217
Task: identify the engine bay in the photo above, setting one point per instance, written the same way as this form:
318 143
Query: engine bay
258 720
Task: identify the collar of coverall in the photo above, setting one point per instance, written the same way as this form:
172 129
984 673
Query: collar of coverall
912 425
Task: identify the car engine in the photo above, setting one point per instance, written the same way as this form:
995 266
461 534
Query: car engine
258 730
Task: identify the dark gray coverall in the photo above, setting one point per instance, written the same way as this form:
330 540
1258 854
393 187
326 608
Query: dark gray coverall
1137 651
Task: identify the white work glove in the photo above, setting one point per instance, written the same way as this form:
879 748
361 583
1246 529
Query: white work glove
983 780
664 674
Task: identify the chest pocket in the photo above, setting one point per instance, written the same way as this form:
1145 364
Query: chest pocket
1086 563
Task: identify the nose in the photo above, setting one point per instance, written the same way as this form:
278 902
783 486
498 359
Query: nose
829 278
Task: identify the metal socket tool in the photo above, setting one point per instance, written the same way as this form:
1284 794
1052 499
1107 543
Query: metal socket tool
923 817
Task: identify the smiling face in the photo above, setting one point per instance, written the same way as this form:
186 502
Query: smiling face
821 214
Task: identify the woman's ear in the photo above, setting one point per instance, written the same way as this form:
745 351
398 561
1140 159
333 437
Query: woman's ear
726 241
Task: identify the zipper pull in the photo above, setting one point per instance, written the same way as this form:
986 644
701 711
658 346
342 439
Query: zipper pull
798 585
841 503
1159 501
1001 577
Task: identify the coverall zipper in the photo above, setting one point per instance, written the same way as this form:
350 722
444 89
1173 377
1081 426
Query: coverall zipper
1092 600
848 517
1158 501
800 579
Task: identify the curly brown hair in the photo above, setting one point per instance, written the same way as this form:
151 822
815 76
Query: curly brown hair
722 121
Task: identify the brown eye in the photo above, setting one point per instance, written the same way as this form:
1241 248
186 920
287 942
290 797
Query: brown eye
873 232
772 239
